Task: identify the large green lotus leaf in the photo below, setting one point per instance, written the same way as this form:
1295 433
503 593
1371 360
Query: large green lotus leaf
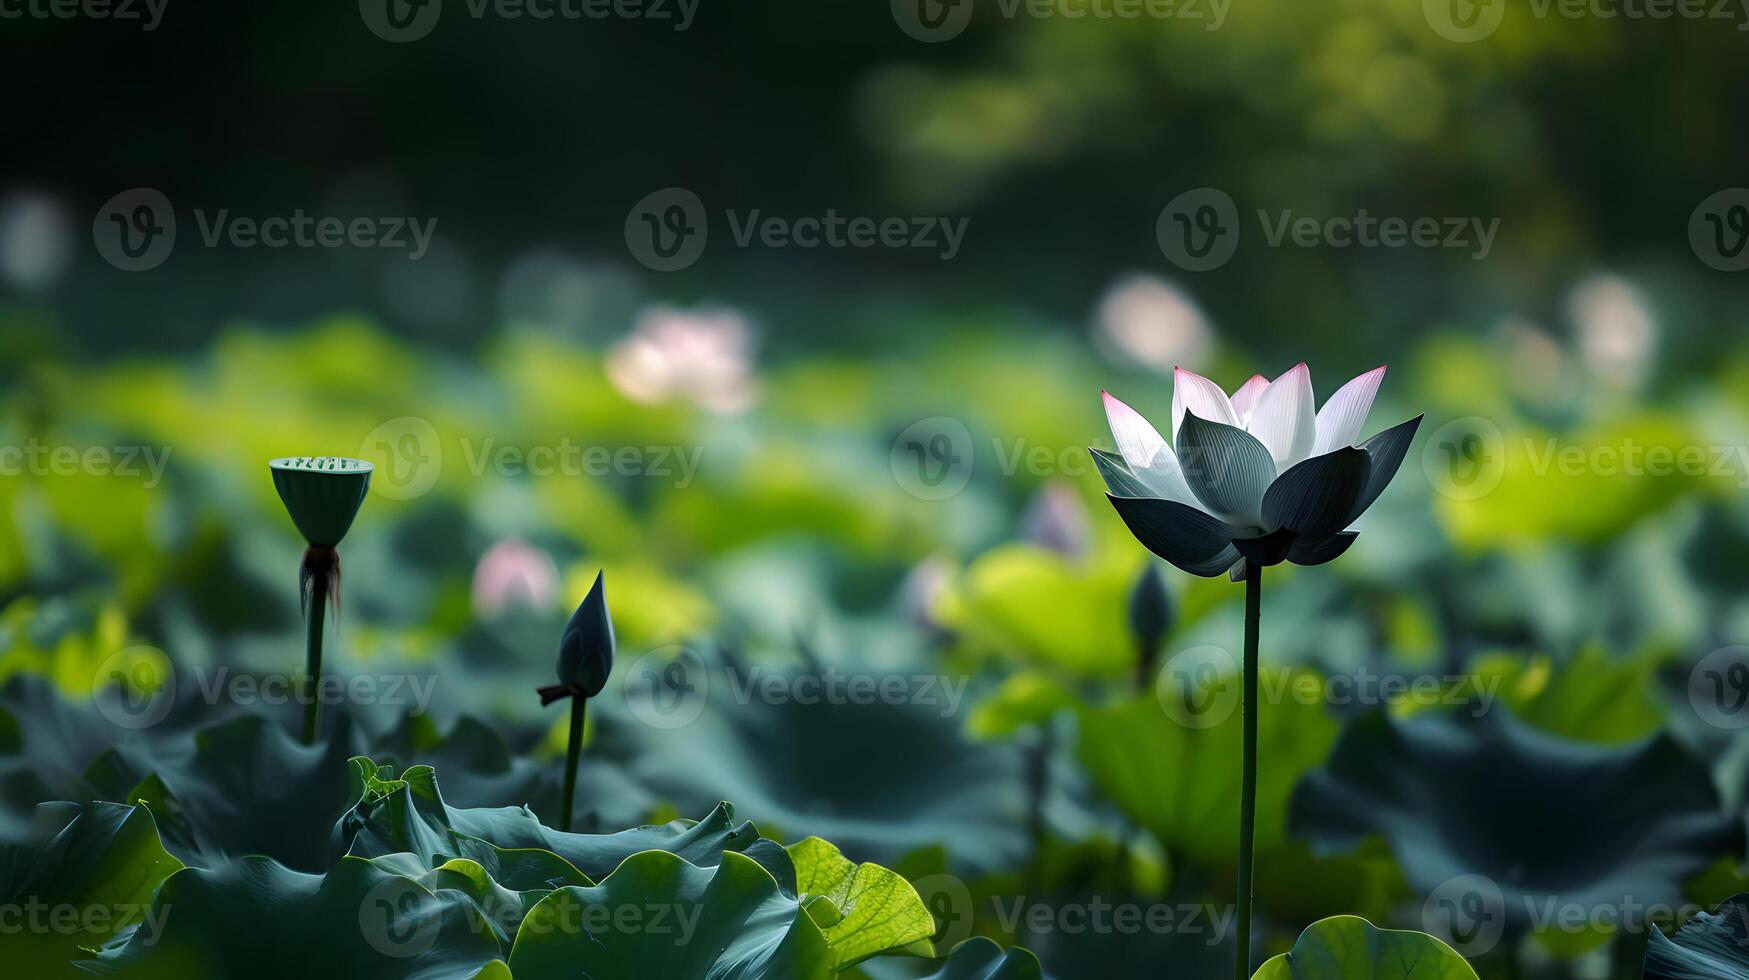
864 909
1035 605
1592 697
879 778
257 918
1541 820
659 916
408 814
1711 946
1350 948
1183 782
92 871
980 959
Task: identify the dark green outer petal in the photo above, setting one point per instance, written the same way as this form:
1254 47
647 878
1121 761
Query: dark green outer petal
1317 551
1119 478
1227 468
1316 497
1179 533
1387 450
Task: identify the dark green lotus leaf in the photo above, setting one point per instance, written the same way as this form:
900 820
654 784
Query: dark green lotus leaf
1540 820
1386 451
880 779
1226 467
1350 948
1711 946
251 788
1119 478
91 871
257 918
322 494
1179 774
980 959
477 765
407 814
586 650
1181 534
1314 498
659 916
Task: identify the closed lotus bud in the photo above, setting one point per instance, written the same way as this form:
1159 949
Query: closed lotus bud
586 652
322 494
1150 608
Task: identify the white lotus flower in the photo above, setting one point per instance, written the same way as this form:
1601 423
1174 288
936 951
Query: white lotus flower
1262 475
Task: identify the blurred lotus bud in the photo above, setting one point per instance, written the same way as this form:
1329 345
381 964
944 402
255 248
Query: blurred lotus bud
1057 520
586 651
922 589
704 355
1150 618
1616 331
513 574
1146 320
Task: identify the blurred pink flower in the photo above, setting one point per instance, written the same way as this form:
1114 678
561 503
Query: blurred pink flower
1146 320
705 355
1057 520
514 573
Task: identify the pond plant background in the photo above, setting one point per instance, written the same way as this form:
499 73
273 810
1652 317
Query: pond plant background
788 324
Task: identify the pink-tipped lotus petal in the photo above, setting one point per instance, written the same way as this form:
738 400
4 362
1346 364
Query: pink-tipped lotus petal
1193 392
1246 397
1285 418
1341 418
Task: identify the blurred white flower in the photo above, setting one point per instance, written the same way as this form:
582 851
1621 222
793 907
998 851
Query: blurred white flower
705 355
1616 331
513 573
1057 520
1535 362
1152 322
36 240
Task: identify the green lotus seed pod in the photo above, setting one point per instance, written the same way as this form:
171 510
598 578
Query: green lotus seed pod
322 494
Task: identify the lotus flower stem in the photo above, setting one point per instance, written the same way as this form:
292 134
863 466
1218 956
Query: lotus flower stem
1248 796
573 755
318 589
